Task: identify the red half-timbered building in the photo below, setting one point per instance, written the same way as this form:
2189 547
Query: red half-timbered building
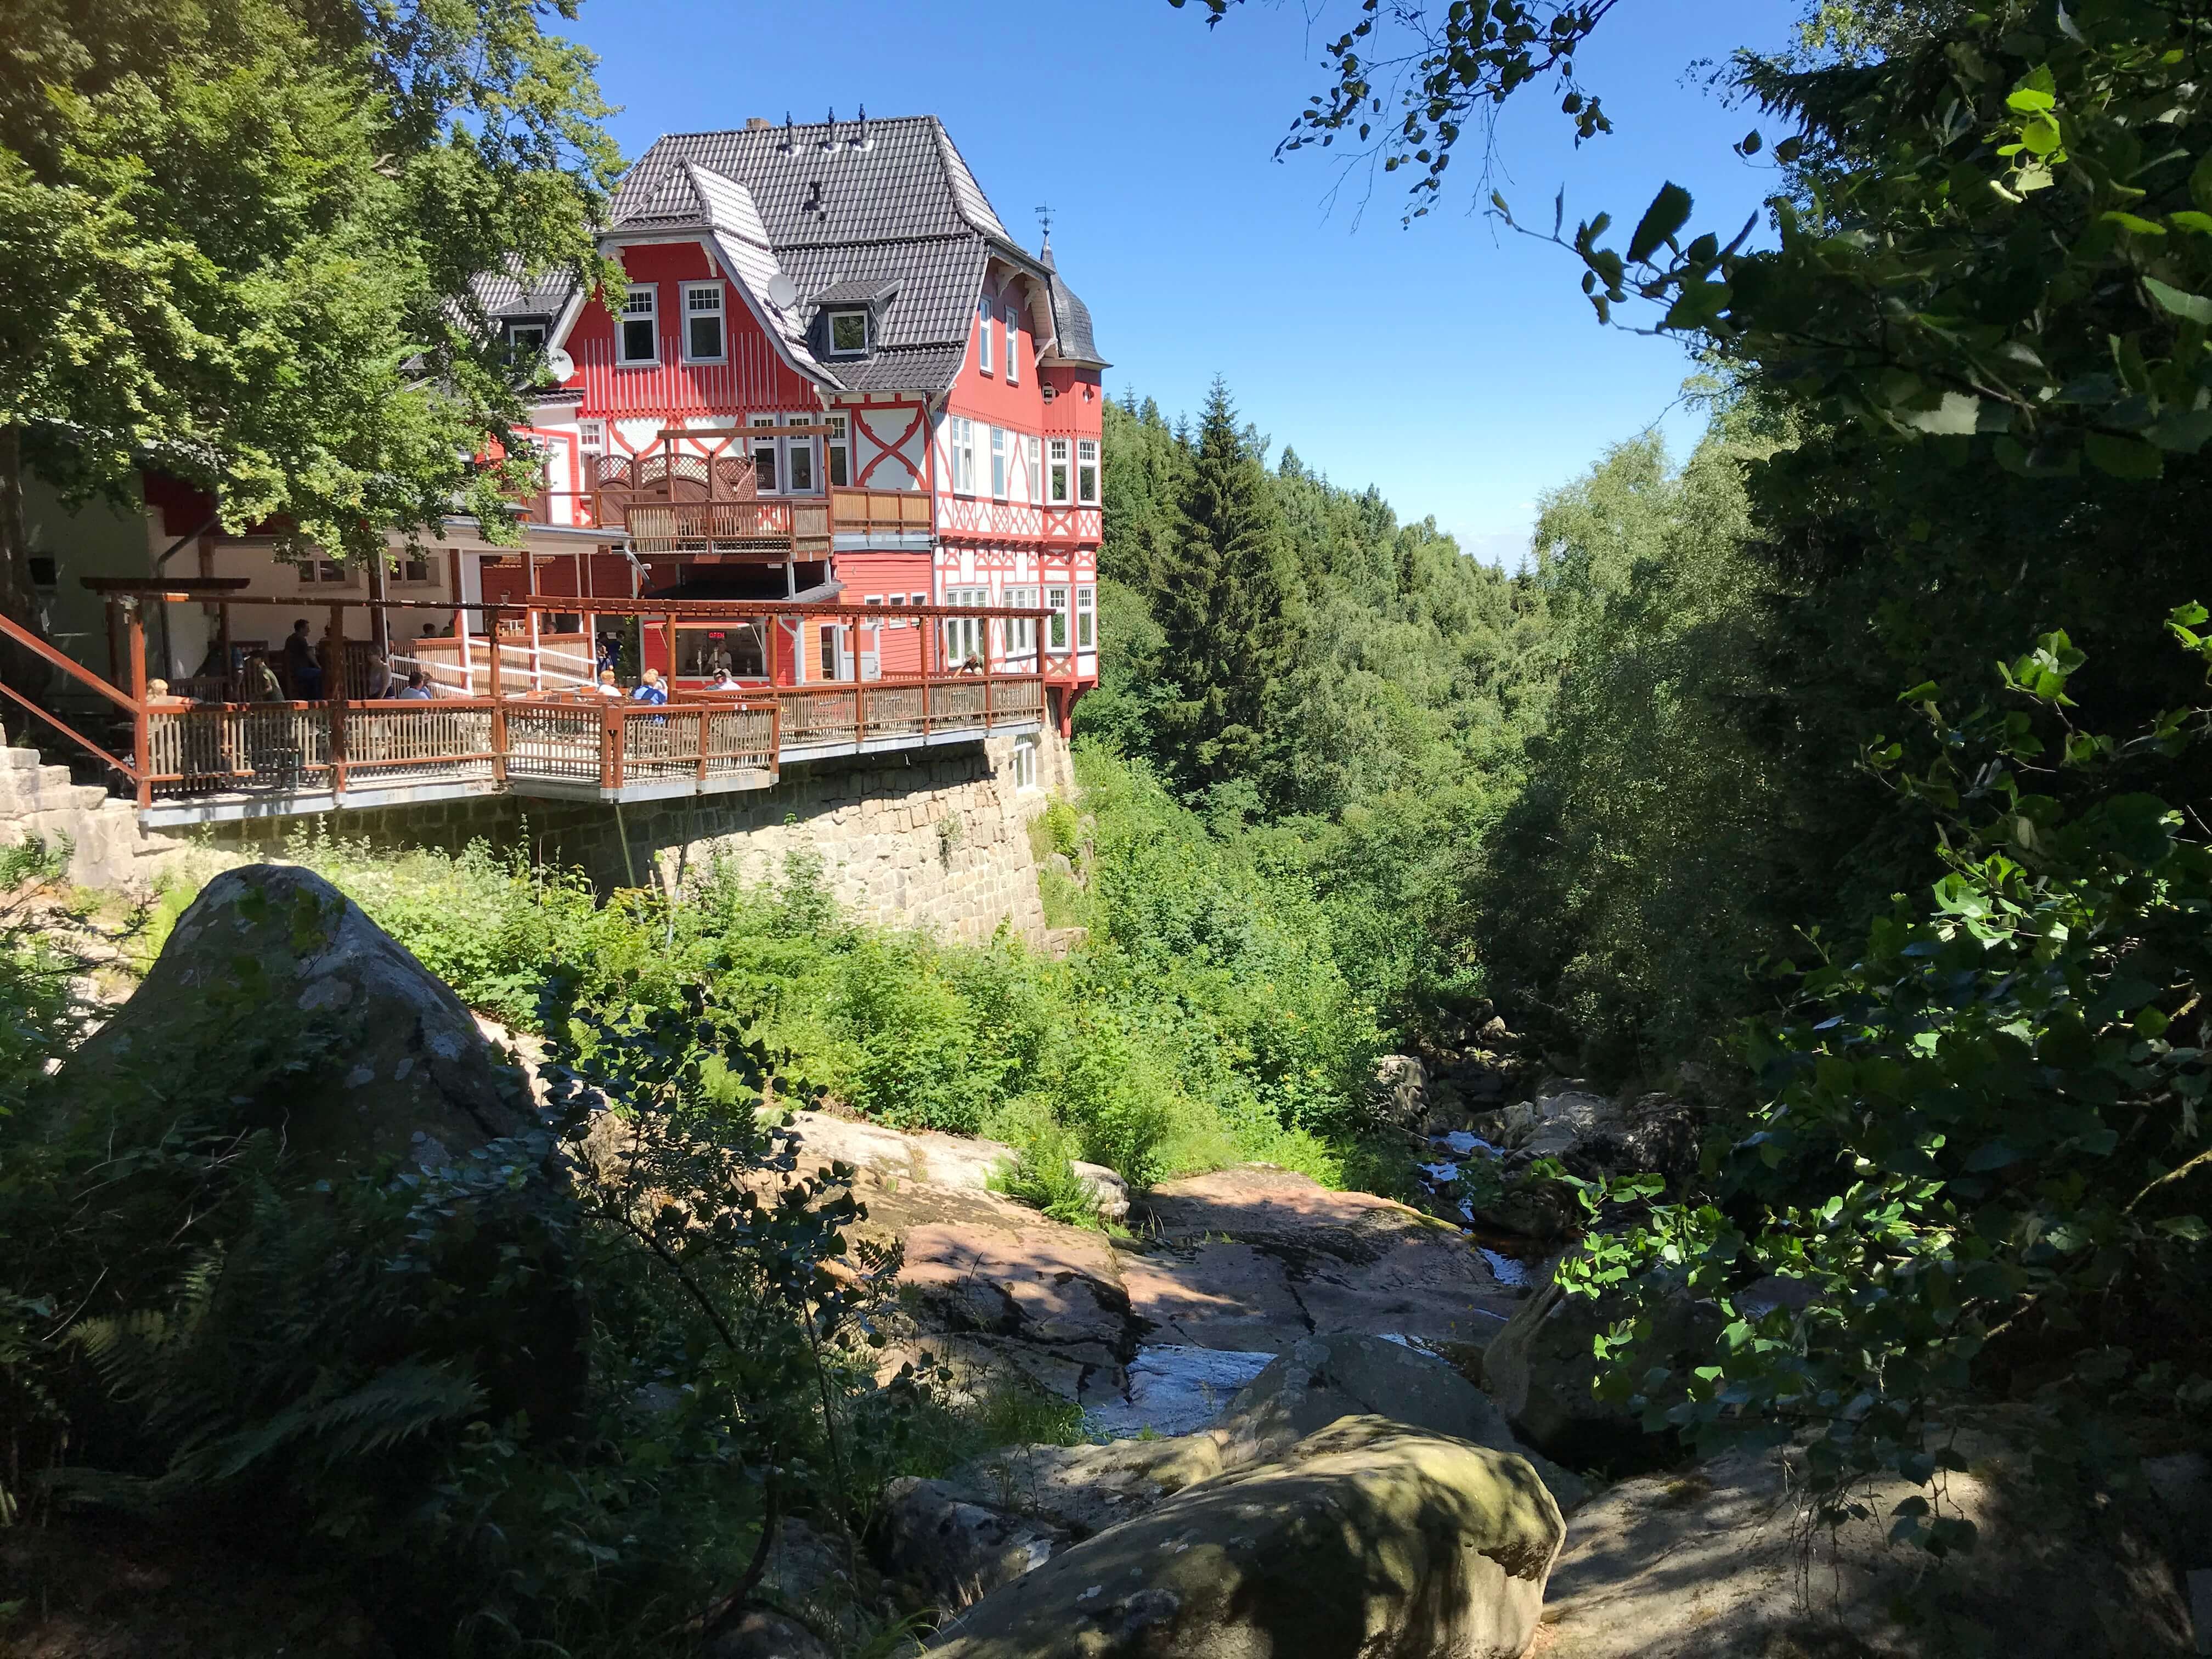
834 376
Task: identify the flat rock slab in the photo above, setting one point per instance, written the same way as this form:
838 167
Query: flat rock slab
1256 1258
1715 1562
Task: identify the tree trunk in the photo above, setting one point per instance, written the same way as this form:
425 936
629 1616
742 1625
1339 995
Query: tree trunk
18 599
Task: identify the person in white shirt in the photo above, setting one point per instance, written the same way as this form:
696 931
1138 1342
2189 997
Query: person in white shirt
607 688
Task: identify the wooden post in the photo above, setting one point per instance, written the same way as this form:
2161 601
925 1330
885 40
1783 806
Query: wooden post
530 595
498 703
334 699
379 619
142 746
116 672
468 669
669 627
611 732
222 644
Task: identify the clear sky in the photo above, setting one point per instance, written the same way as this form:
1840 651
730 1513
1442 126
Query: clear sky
1453 364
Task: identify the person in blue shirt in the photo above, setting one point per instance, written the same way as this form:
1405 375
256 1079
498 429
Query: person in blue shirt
650 690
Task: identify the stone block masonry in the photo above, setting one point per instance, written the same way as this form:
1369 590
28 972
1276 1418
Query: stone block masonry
932 839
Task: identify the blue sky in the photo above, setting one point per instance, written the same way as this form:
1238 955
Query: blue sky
1452 363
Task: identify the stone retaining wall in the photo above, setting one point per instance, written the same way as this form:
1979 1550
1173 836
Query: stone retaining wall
934 839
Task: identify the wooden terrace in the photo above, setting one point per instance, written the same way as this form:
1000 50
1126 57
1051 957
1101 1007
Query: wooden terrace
534 733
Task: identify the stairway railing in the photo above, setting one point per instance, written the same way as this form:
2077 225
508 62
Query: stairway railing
24 639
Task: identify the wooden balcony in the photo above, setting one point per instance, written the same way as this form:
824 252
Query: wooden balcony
880 511
275 760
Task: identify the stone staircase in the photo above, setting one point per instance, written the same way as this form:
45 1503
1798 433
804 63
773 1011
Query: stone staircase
106 847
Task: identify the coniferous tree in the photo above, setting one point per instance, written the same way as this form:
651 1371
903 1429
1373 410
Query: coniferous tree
1228 598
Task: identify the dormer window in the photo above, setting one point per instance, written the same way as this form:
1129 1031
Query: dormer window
703 322
524 340
848 333
638 338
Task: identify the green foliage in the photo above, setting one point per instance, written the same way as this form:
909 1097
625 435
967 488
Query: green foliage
1983 1149
1227 599
250 229
33 859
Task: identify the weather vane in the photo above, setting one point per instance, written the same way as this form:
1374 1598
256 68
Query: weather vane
1044 218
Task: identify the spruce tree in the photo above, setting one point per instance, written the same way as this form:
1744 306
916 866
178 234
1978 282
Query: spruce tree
1226 590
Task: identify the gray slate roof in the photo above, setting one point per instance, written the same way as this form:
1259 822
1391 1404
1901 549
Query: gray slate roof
884 213
1071 320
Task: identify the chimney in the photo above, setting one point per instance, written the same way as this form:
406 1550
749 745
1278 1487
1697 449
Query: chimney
756 124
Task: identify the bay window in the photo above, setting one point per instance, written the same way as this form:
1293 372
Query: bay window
1055 625
1086 471
637 340
1057 476
1087 618
1021 631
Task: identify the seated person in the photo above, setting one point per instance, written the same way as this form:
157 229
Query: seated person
157 696
606 687
723 681
301 667
649 689
418 689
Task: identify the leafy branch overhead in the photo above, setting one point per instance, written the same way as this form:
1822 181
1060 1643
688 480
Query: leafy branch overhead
2002 235
1406 94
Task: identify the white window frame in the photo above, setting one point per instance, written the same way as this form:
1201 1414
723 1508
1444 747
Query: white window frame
1086 617
761 441
963 637
1086 456
719 312
1031 450
592 437
535 342
802 445
1060 472
1013 344
1024 765
963 456
837 450
998 463
831 337
984 316
650 315
1021 631
1055 601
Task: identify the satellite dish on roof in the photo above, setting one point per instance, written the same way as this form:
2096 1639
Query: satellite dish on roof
560 365
783 292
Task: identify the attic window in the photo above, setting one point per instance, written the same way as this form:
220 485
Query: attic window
525 340
848 333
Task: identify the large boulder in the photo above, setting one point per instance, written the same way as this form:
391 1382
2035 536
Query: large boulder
1368 1538
1543 1373
319 1025
1722 1561
277 1007
1323 1379
1083 1490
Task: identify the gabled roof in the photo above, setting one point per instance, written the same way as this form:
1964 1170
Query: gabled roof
881 213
